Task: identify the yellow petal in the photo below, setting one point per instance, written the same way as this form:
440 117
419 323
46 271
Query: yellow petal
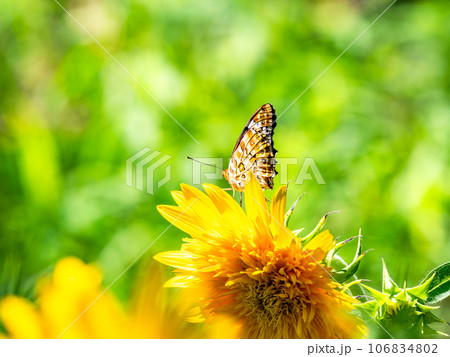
255 203
202 203
20 318
74 286
178 197
284 238
105 319
282 235
321 244
278 206
277 209
223 201
181 218
191 193
176 259
233 214
180 281
72 274
195 315
222 327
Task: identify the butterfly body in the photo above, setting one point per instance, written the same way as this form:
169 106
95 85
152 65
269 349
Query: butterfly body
254 152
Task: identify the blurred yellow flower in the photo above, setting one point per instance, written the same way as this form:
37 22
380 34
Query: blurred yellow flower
154 313
70 293
249 267
60 300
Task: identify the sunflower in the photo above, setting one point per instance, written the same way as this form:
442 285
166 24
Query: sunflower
61 299
251 268
73 304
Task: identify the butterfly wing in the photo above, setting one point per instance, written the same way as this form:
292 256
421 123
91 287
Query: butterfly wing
263 120
254 151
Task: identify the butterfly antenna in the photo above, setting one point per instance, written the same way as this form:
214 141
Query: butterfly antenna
203 163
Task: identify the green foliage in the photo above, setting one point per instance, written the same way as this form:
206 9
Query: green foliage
344 274
404 312
439 287
343 271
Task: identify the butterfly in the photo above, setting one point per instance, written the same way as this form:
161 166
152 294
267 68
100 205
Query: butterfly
254 151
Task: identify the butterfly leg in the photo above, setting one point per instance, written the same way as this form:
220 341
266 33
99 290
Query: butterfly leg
240 200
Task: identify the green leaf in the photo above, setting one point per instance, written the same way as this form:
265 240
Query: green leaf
402 296
298 231
288 214
430 318
371 307
426 308
341 244
306 239
427 330
346 273
389 286
377 295
421 291
333 252
336 261
439 287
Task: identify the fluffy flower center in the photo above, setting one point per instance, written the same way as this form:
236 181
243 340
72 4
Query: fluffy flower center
289 287
250 267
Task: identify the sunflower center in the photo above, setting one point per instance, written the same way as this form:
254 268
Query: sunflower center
266 302
272 301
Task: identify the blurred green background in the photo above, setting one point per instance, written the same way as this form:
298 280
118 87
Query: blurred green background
377 123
